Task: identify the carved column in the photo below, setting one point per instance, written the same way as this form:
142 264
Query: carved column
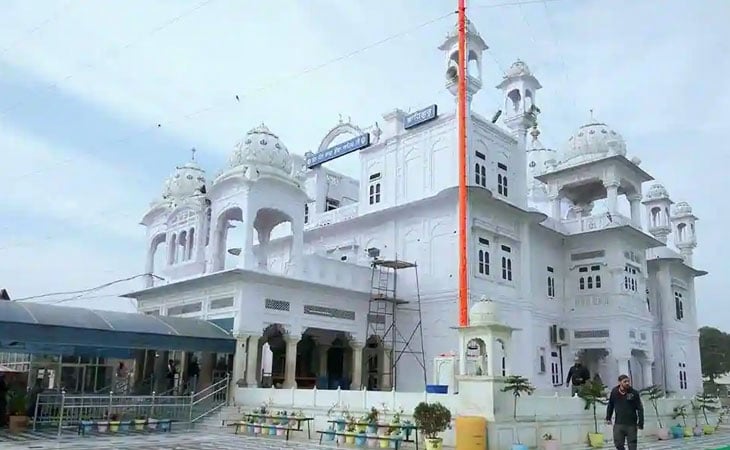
322 352
612 195
239 358
297 246
622 362
252 359
555 211
356 365
647 373
291 360
635 202
263 256
386 384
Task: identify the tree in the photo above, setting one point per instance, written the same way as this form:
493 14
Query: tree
714 352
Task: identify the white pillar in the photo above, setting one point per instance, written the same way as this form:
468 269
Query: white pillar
635 202
647 375
491 357
252 357
356 365
322 350
555 207
291 360
149 267
612 196
297 246
246 259
239 358
386 384
622 365
263 256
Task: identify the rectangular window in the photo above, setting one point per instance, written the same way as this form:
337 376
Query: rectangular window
480 170
590 277
551 282
502 179
483 256
678 305
683 376
221 303
631 279
648 300
555 369
306 213
184 309
331 204
374 188
506 263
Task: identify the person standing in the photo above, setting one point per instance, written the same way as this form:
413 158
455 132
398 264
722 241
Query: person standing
3 400
193 373
578 375
625 401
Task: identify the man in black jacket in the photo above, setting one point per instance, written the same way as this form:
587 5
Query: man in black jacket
578 374
626 402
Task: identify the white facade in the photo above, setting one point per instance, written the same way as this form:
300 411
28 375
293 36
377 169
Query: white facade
556 241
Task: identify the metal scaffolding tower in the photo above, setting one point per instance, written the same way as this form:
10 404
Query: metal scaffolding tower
384 311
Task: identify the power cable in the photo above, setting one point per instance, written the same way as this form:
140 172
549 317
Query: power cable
38 27
232 97
83 291
114 52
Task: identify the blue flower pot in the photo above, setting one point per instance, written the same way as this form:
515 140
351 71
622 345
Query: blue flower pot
329 435
87 426
677 432
360 440
372 429
340 425
164 425
124 426
519 447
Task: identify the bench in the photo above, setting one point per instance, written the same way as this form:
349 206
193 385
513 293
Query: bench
356 436
266 426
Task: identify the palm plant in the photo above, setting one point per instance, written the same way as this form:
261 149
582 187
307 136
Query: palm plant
517 385
593 393
654 393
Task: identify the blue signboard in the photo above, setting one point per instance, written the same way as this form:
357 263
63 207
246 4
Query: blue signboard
338 150
421 117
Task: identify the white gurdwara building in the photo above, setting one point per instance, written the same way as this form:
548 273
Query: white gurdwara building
305 287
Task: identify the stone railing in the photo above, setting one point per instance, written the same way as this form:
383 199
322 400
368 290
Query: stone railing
595 223
330 217
321 269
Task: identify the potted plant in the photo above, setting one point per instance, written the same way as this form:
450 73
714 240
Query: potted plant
329 434
350 432
114 423
397 438
678 430
86 425
360 438
124 423
407 428
17 408
152 423
697 429
517 385
654 393
432 419
548 443
372 420
384 439
593 393
139 423
707 402
102 426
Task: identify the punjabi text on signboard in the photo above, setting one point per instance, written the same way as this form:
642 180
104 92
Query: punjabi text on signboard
349 146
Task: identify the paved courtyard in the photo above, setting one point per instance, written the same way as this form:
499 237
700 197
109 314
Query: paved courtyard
221 440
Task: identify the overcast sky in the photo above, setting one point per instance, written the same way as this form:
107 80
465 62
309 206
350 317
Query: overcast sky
84 86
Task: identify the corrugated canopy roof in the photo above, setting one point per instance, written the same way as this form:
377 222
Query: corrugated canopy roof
36 325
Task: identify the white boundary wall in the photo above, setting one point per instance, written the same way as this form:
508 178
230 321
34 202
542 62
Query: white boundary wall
559 414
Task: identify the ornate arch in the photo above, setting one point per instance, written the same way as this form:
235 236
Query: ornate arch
341 128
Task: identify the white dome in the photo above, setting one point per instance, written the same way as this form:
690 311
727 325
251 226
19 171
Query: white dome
261 147
594 140
483 312
682 209
187 181
517 69
657 192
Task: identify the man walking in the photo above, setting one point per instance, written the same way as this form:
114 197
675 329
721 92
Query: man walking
626 402
578 374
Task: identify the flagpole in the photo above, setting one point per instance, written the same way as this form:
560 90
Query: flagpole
461 142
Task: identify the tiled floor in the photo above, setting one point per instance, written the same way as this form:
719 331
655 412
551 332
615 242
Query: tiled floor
222 440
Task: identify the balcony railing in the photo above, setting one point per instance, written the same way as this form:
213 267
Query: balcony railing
334 216
596 304
595 223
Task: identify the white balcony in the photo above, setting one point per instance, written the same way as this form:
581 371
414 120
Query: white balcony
334 216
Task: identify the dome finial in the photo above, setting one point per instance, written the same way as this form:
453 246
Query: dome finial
534 133
192 151
593 119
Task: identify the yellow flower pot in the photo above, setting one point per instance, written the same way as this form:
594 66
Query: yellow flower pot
434 444
595 440
350 439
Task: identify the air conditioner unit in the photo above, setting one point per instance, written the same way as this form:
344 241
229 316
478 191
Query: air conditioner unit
562 336
558 335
